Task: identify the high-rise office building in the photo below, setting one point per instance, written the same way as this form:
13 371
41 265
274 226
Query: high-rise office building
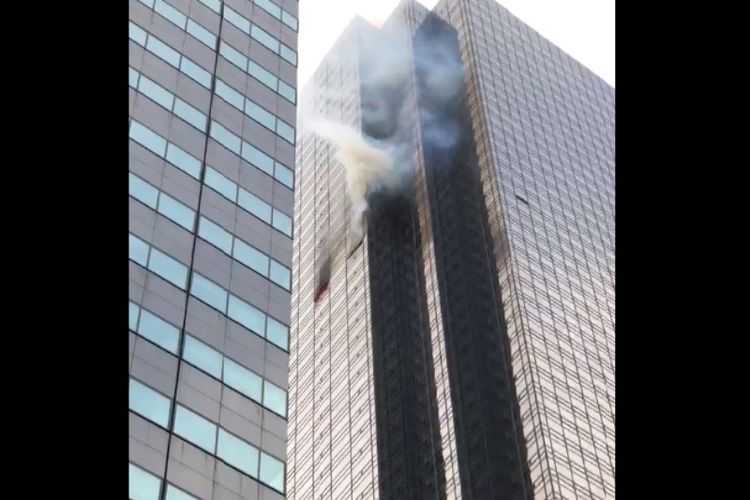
465 350
212 131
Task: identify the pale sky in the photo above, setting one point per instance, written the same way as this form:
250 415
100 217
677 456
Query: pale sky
585 29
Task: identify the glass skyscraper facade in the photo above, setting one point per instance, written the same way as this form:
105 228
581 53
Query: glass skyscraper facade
212 133
466 348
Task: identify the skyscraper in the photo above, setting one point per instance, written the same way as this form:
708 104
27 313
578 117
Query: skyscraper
212 129
466 348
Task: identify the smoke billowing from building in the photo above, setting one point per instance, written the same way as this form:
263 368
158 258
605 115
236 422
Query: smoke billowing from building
381 158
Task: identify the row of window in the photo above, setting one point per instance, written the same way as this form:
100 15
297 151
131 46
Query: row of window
197 353
251 154
143 485
242 252
162 96
251 109
192 166
266 5
209 292
246 254
240 311
260 35
253 69
183 22
207 436
248 201
161 202
169 55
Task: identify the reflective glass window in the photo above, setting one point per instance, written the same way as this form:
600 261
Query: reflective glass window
230 95
252 258
272 472
264 38
242 380
169 12
143 191
195 72
274 398
159 331
196 429
255 205
168 268
183 160
201 33
221 184
225 137
277 333
163 51
178 212
238 453
142 485
215 234
138 251
233 56
284 175
147 138
280 274
246 315
203 356
257 158
282 222
209 292
149 403
191 115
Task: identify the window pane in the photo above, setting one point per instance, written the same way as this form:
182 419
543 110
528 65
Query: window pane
156 92
238 453
164 51
142 485
264 38
143 191
225 137
269 7
282 222
287 91
183 160
285 131
259 114
190 114
252 258
195 429
202 356
255 205
230 95
195 72
150 3
267 78
289 20
170 13
272 472
147 138
214 5
168 268
215 235
159 331
136 34
236 19
133 77
257 157
274 398
221 184
133 313
284 175
280 274
176 494
149 403
181 214
277 333
242 380
246 315
201 33
209 292
138 250
233 56
288 54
